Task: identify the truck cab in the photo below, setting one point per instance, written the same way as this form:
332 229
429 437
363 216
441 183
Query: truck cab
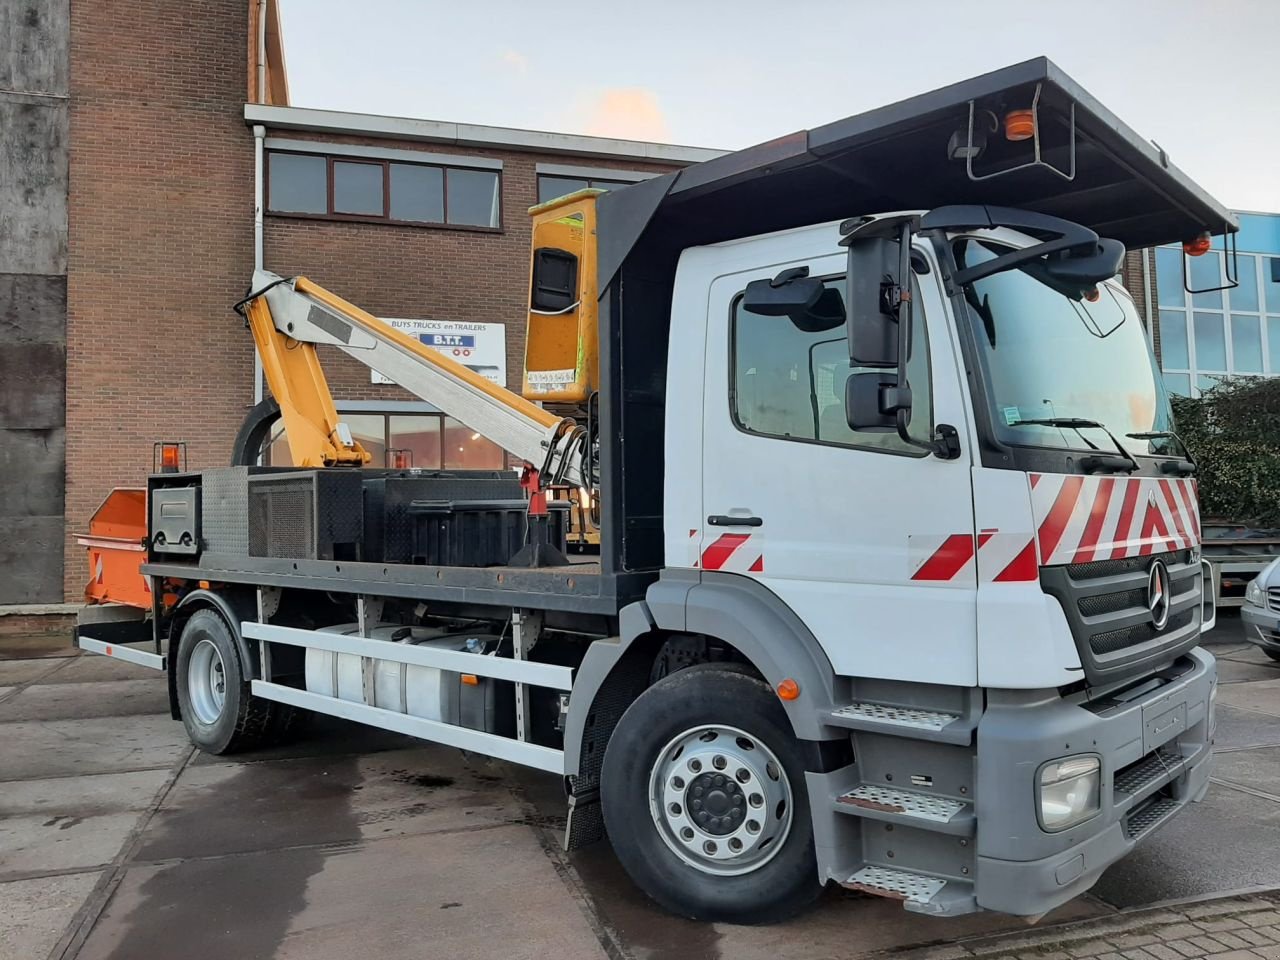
1036 579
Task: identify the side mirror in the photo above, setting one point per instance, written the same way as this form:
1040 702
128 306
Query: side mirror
786 295
1082 269
869 400
871 302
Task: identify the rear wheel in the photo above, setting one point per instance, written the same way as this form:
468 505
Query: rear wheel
220 714
704 799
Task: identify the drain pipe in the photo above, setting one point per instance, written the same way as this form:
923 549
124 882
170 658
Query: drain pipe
259 135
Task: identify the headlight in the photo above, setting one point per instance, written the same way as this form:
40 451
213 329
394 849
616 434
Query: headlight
1070 791
1253 593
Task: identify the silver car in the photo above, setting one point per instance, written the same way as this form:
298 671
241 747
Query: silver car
1261 611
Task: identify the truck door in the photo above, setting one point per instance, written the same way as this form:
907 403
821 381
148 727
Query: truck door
870 541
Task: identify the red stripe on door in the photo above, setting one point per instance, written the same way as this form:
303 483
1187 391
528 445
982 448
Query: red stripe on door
1055 524
1022 567
1097 515
945 562
715 556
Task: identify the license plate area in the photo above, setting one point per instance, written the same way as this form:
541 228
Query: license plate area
1161 723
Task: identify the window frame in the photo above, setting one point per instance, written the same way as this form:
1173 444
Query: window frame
385 218
441 418
915 453
590 181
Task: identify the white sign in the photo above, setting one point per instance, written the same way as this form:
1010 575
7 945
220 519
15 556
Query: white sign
480 346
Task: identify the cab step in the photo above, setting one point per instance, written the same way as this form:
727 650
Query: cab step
903 722
919 892
915 808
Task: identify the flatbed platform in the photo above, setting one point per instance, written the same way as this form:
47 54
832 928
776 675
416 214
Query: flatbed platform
580 587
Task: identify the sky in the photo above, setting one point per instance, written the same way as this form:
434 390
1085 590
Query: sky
1200 77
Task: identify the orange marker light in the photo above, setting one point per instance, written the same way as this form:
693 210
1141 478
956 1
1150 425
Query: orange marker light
1092 295
169 457
470 679
788 689
1197 247
1019 125
204 584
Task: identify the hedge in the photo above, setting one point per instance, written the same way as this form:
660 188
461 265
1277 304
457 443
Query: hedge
1233 431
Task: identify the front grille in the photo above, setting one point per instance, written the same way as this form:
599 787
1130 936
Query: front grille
1273 598
1116 640
1097 569
1105 602
1096 606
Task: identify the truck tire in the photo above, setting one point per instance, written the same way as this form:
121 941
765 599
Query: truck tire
213 694
704 799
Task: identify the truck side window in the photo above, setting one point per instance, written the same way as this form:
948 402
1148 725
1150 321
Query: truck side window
790 384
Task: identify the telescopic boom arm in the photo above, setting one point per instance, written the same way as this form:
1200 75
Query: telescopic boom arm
290 317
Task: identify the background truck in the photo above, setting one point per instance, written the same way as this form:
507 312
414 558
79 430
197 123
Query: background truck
899 581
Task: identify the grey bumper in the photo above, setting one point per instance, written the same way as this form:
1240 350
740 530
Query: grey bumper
1264 626
1155 744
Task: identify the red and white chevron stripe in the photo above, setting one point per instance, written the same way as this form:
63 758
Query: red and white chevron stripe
1079 519
993 557
734 553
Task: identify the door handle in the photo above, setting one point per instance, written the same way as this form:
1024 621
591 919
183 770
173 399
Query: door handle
724 520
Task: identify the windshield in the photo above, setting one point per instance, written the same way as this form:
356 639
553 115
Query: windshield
1050 357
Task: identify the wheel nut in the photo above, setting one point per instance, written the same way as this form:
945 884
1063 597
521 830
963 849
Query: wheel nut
719 781
697 804
737 802
695 764
677 783
744 775
719 762
697 791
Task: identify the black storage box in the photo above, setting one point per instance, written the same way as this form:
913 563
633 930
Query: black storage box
388 529
477 533
306 515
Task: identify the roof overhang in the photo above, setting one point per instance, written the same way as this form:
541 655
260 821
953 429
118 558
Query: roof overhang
470 135
897 158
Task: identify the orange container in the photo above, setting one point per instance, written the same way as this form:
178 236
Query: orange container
115 540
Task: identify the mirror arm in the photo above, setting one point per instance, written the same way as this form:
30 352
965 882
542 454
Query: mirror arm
945 443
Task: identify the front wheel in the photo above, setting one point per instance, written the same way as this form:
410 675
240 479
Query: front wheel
704 799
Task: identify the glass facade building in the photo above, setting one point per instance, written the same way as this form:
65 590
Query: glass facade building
1206 337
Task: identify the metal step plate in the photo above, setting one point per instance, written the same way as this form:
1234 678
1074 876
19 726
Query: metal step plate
896 716
896 884
909 803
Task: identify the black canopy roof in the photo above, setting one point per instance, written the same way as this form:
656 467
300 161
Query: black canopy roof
897 158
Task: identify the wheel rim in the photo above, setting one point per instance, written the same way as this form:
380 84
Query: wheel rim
206 682
721 800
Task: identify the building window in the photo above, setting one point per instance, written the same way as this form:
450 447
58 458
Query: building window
550 187
1208 337
350 188
433 441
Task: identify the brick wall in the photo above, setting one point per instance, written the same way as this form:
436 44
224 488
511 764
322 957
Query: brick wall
425 273
1131 273
160 239
161 245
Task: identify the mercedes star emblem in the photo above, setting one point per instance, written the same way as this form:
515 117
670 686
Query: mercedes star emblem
1158 594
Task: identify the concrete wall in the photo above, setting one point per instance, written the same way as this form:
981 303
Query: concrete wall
34 38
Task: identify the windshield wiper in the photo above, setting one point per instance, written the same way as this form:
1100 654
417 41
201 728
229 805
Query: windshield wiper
1168 466
1090 464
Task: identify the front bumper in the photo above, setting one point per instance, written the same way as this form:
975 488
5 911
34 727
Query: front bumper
1264 626
1155 740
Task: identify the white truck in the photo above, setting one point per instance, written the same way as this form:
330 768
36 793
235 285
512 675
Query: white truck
899 583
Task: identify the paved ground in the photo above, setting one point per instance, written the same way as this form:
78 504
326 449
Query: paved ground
118 841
